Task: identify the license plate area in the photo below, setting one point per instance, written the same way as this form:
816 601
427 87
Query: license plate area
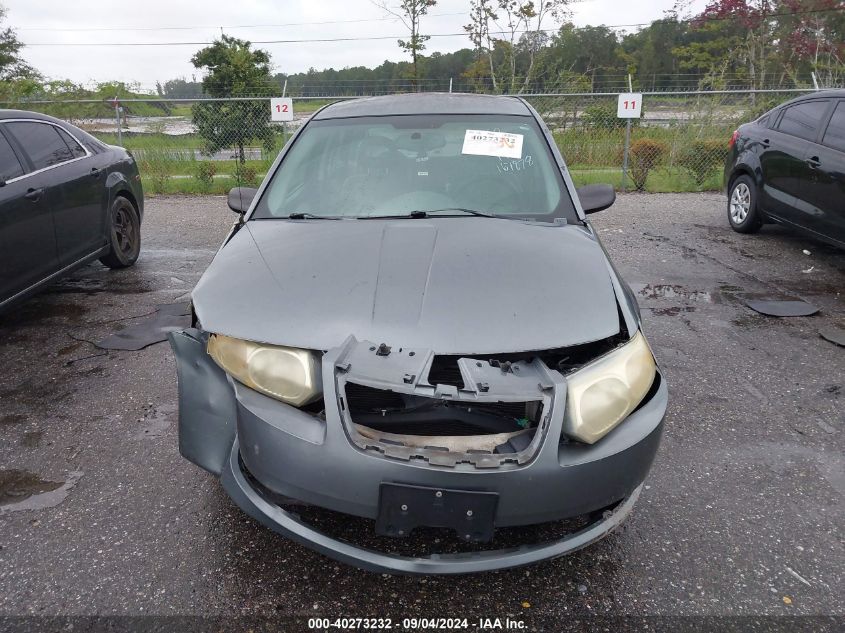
404 507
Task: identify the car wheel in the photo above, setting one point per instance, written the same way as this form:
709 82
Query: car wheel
742 206
124 234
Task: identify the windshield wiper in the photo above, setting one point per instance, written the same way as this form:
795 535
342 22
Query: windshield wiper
482 214
428 214
298 215
397 216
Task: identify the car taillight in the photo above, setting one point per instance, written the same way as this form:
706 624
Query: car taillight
734 136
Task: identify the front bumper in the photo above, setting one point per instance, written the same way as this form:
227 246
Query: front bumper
296 455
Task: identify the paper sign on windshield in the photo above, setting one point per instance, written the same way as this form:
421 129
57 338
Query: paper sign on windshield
484 143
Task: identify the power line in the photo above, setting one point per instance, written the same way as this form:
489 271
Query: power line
394 37
206 43
224 26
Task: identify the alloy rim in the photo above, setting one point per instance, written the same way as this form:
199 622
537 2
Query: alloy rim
740 203
123 230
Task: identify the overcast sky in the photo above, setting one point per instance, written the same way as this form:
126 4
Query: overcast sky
60 23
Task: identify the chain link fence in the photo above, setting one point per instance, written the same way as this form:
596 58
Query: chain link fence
210 145
679 144
191 146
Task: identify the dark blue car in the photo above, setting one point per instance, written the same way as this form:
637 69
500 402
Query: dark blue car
66 199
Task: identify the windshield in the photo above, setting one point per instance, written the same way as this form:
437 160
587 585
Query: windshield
426 165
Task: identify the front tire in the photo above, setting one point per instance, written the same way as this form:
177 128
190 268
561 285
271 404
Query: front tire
124 234
743 214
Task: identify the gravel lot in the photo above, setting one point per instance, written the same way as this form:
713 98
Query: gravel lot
742 513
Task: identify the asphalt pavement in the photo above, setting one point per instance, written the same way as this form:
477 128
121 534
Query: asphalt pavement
741 515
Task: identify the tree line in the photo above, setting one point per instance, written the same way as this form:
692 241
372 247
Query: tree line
532 47
521 46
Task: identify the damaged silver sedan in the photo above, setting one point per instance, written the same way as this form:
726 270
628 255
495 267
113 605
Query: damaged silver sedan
414 324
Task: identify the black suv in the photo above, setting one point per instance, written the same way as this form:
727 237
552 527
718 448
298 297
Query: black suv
788 166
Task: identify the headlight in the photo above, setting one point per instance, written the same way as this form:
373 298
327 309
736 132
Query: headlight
604 393
285 373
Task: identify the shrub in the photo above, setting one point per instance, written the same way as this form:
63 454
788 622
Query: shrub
245 175
602 116
758 108
204 173
645 154
702 158
157 166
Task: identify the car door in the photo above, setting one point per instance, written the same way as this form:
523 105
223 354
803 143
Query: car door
782 158
823 193
74 186
27 237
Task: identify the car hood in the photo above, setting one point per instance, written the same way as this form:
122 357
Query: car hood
453 285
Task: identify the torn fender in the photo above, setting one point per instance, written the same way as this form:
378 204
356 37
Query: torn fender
207 409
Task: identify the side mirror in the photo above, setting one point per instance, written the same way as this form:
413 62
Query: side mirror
240 198
595 197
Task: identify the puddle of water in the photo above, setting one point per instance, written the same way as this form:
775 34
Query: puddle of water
22 490
157 420
39 309
673 311
32 439
36 393
178 253
69 349
94 286
17 485
12 418
751 321
14 333
670 291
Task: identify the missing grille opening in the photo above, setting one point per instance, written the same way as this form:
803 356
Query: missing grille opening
403 414
445 371
444 432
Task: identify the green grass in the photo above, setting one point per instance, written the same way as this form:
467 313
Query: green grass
174 142
74 111
660 180
180 109
191 186
308 106
189 167
131 141
594 156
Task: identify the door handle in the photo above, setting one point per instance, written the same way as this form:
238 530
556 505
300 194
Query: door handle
765 142
95 171
33 194
813 162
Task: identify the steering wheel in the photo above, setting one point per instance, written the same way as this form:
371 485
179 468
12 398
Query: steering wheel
499 193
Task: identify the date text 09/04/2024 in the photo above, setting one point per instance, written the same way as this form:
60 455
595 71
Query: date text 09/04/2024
416 624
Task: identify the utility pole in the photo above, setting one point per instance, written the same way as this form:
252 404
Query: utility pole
284 124
627 140
117 121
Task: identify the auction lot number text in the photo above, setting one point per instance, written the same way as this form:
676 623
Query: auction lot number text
414 624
